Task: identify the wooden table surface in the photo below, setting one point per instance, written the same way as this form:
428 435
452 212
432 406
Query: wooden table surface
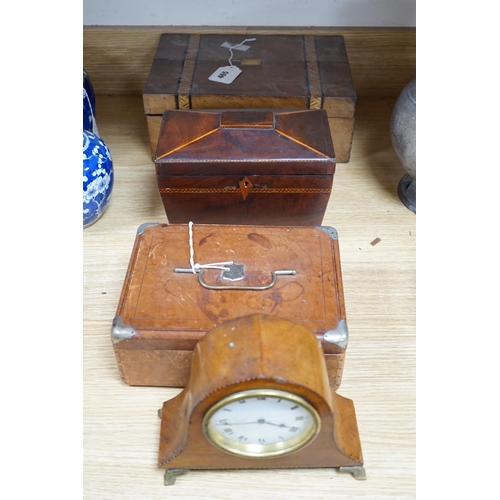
121 426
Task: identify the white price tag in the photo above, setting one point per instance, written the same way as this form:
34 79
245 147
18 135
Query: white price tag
225 74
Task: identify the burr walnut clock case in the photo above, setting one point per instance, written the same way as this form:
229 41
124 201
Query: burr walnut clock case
278 72
165 308
258 396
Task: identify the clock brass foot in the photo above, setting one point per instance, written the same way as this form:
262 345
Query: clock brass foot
357 471
171 475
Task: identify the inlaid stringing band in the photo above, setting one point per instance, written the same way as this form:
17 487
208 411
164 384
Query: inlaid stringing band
313 72
187 71
237 191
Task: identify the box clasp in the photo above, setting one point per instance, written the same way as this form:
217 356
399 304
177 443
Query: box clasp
236 273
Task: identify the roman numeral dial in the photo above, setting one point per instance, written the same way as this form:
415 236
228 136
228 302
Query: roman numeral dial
261 423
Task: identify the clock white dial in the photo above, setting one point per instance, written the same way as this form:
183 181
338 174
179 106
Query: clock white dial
261 423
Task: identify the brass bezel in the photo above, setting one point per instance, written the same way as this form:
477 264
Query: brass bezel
261 450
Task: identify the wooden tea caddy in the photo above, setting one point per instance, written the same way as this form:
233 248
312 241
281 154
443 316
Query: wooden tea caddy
245 166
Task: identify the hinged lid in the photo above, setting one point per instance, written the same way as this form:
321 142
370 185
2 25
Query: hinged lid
236 142
288 272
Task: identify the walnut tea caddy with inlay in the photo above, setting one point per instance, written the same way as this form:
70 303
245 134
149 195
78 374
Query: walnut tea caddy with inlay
245 166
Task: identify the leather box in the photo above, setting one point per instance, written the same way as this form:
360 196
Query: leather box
278 72
245 166
165 308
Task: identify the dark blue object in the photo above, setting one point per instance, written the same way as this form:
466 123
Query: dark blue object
88 104
97 177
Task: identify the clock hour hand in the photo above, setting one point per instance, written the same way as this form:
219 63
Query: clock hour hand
277 425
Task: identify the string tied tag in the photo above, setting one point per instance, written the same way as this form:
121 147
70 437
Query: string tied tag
227 74
195 267
231 47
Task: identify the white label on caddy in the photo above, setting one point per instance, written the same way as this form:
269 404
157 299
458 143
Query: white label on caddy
225 74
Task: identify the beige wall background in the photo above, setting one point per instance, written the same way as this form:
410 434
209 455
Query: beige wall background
384 13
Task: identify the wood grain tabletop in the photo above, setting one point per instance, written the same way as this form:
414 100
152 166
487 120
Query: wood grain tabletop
377 236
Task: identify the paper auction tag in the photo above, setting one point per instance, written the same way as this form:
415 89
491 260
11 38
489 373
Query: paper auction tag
225 74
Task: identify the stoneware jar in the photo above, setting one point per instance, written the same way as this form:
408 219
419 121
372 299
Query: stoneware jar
88 105
97 177
403 136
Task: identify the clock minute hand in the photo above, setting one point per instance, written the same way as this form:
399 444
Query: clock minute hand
260 421
239 423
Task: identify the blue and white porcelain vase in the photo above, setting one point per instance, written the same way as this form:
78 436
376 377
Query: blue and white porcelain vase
89 122
97 177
